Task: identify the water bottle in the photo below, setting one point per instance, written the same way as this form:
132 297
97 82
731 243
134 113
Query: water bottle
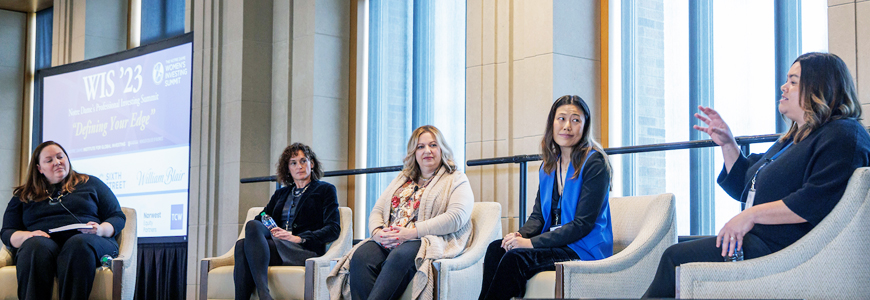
267 220
738 256
105 261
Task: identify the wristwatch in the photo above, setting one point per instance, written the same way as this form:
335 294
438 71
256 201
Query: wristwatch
302 240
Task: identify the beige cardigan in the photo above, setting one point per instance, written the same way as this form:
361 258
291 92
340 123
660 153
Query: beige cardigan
443 225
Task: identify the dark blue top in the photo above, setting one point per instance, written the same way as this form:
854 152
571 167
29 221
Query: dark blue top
810 177
91 201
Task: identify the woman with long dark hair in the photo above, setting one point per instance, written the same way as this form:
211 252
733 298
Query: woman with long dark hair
52 196
789 189
571 217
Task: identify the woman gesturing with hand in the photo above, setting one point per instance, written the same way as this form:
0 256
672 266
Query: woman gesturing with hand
789 189
720 133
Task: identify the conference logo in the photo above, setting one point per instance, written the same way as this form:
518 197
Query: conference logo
157 73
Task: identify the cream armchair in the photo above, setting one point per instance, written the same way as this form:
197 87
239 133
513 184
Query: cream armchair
459 277
643 227
117 282
831 262
285 282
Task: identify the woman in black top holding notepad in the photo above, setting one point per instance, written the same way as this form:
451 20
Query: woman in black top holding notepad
792 187
53 196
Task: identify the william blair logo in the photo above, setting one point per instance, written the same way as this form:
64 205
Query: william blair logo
157 73
176 217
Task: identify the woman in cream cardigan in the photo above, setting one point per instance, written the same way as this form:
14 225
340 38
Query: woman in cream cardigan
423 215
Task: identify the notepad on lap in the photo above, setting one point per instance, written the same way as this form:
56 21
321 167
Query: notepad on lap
70 227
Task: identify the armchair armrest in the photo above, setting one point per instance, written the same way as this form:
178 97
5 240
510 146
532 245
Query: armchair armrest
634 266
5 256
465 260
318 268
124 265
210 263
460 276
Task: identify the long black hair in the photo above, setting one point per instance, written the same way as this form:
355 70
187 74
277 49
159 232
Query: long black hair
550 151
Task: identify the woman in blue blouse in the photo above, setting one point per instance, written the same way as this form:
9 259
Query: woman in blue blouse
792 187
571 217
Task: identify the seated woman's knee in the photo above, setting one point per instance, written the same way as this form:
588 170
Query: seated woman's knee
495 245
80 244
511 256
39 245
367 251
254 227
674 252
240 248
405 252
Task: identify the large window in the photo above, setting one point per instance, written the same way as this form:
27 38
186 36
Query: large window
161 19
667 57
416 76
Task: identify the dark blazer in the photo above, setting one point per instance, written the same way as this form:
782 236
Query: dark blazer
317 218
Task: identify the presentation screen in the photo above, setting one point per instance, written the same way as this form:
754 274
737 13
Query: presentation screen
125 118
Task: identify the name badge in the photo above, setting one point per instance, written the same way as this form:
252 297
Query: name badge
750 198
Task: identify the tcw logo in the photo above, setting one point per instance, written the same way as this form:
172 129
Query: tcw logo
176 217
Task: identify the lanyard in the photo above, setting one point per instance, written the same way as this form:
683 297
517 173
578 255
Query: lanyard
767 161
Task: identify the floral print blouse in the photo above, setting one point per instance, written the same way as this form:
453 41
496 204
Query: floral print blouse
404 204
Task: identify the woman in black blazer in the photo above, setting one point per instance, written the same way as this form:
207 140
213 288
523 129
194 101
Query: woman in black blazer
305 211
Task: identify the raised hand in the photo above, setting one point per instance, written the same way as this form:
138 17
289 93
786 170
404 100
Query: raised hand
716 128
720 133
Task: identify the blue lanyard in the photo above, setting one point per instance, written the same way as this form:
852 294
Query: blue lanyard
767 161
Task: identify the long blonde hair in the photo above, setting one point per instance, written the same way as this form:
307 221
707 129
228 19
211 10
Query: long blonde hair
411 169
827 93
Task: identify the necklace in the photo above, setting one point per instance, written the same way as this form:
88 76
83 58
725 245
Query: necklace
297 192
55 200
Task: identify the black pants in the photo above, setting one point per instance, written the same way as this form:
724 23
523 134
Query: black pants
73 259
379 273
253 255
700 250
505 273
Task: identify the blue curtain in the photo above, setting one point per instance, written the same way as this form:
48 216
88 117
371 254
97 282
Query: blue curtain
44 19
161 19
407 49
